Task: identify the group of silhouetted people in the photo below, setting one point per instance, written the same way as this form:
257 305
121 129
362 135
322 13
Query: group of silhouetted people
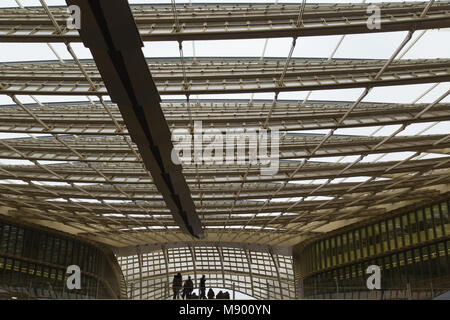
178 287
186 290
222 295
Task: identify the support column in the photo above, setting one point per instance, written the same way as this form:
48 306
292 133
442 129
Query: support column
166 258
132 290
299 268
192 250
277 268
249 262
219 249
139 254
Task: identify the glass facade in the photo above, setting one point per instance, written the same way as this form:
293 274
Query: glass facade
34 262
411 248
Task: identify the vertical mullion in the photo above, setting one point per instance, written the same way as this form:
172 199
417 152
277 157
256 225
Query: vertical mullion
387 235
441 215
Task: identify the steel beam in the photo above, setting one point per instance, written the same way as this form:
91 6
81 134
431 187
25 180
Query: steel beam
212 177
88 119
294 146
233 21
116 49
220 208
222 75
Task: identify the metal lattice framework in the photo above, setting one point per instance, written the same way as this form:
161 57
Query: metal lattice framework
261 272
213 76
232 21
76 168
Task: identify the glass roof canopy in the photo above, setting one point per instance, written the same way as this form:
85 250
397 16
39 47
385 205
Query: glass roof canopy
347 154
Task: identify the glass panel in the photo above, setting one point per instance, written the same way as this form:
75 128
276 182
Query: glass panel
399 232
319 256
339 249
384 236
448 250
42 245
409 265
4 244
422 226
401 268
426 262
56 251
333 251
405 230
328 252
45 271
83 258
12 239
445 217
313 255
344 248
418 262
429 222
75 251
19 243
31 268
351 246
443 262
370 240
391 232
377 238
414 228
62 256
437 221
357 244
434 261
364 242
387 271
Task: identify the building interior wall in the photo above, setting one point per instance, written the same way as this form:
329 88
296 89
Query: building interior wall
33 264
411 247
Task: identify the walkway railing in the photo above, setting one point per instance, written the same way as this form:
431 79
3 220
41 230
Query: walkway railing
399 293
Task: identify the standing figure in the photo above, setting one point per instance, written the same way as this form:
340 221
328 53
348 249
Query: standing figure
188 288
177 283
202 292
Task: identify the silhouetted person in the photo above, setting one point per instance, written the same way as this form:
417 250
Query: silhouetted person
211 294
226 295
220 295
202 287
188 287
177 284
194 296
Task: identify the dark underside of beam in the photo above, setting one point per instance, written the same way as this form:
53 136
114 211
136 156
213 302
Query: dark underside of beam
109 31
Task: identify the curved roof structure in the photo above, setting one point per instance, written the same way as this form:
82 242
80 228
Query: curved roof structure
362 118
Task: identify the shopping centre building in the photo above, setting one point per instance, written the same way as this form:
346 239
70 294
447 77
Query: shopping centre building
281 149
